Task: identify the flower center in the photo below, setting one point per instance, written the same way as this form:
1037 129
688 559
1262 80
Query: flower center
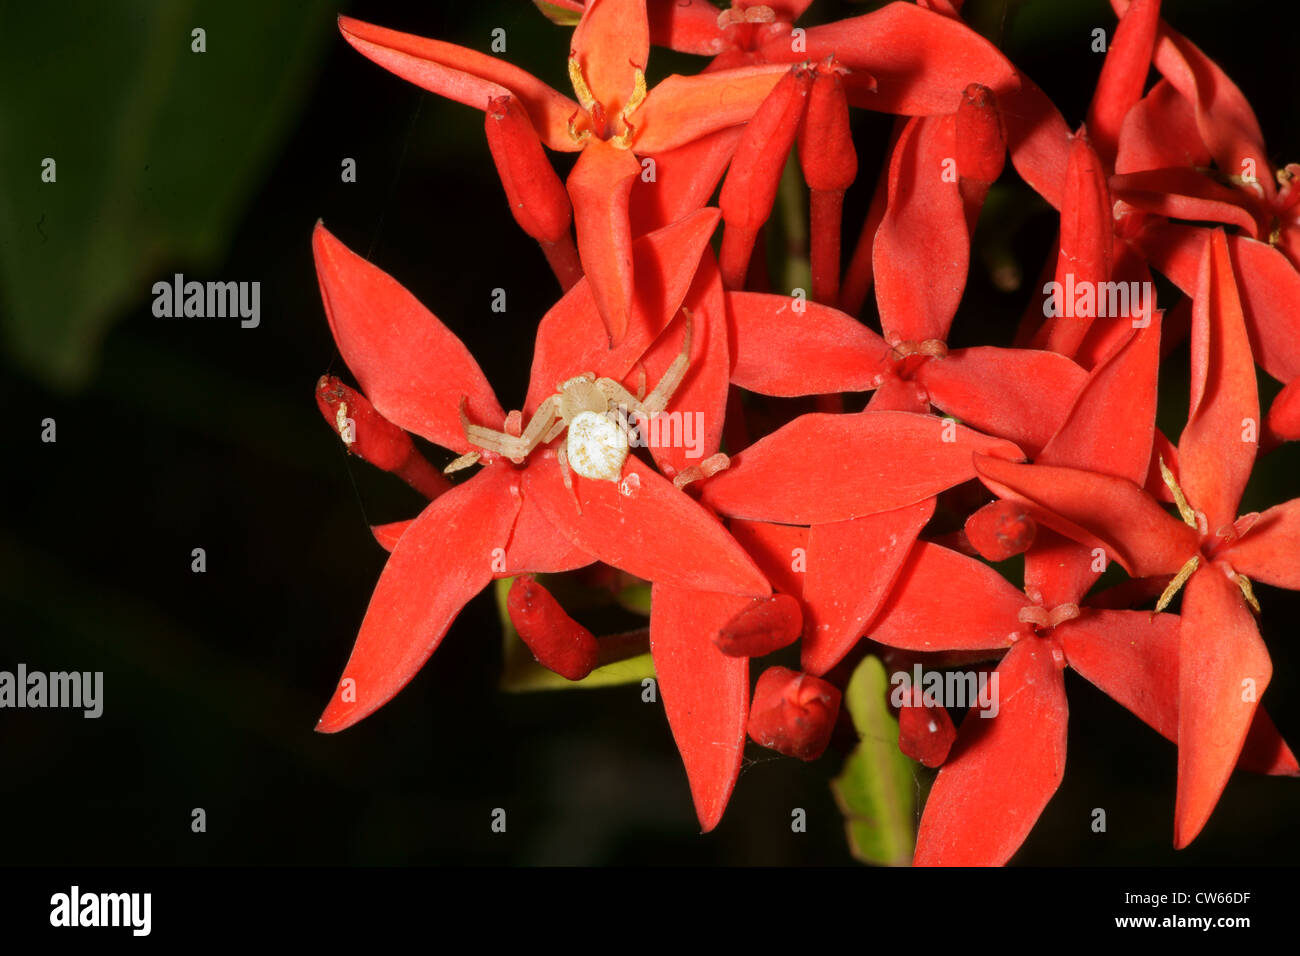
1209 545
598 123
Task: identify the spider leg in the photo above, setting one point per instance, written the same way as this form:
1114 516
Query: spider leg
617 394
563 459
657 400
514 447
559 426
540 424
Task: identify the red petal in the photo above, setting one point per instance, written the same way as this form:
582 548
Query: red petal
788 347
1022 395
700 401
571 338
1123 74
558 642
464 75
442 560
945 601
1283 422
1219 650
1184 193
600 185
1265 751
537 547
1057 570
388 534
410 366
921 61
922 251
1133 657
822 468
1097 511
1084 260
705 693
1037 138
1227 123
1160 132
1214 457
793 714
1111 426
779 550
644 526
851 567
1270 551
681 109
684 179
1004 769
611 40
687 26
1269 286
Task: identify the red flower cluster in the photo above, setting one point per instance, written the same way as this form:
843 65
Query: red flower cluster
817 527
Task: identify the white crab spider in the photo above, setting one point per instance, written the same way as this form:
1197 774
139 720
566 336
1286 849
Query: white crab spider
594 410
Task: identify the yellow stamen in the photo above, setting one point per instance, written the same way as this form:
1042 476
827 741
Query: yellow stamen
580 87
624 139
464 461
1179 580
1248 592
1180 499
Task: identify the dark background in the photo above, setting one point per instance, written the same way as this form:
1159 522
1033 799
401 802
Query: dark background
177 434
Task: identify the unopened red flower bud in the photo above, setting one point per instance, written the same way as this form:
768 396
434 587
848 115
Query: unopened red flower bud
750 188
826 153
537 197
925 730
372 437
1000 530
558 642
981 146
766 625
755 173
538 200
793 713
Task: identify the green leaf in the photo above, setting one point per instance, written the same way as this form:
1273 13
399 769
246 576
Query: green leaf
876 791
157 149
635 598
520 672
559 14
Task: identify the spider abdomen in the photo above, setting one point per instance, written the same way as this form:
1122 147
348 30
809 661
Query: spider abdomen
596 446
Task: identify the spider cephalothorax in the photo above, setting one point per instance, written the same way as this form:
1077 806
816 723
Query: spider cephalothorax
594 410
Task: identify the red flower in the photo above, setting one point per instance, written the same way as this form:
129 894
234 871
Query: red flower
614 119
514 518
1223 665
